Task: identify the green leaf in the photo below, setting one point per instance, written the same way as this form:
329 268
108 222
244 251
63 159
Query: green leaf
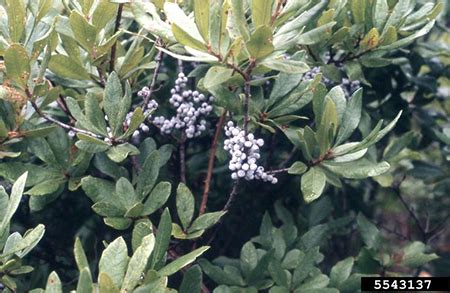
157 198
162 240
185 39
183 24
205 221
316 35
351 118
141 229
94 113
118 223
80 256
357 169
17 64
328 125
16 19
380 14
201 13
137 263
238 18
44 188
358 8
398 144
414 256
248 258
85 281
85 33
257 273
297 168
121 152
287 66
312 184
217 75
369 232
192 280
137 118
53 284
182 261
125 193
148 175
106 285
260 43
112 100
104 13
185 205
114 261
65 67
262 12
14 201
341 271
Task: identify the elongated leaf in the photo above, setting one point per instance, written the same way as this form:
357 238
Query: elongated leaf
157 198
149 173
262 12
351 117
205 221
192 280
80 256
358 169
137 263
84 33
238 18
53 284
114 261
217 75
162 240
312 184
182 261
65 67
201 13
260 43
369 232
13 204
17 63
16 18
185 205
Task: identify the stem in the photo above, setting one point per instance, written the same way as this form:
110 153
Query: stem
57 122
232 195
411 213
284 170
182 153
212 156
158 59
112 61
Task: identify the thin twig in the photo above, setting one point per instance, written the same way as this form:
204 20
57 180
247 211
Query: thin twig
158 59
284 170
232 195
57 122
212 156
112 61
182 154
411 213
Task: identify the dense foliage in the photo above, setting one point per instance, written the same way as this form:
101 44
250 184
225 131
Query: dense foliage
222 145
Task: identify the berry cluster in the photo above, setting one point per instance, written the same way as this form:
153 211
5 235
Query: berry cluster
310 75
350 86
152 105
244 151
191 109
347 85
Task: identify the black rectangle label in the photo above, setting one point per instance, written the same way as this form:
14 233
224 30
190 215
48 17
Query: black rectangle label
391 284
